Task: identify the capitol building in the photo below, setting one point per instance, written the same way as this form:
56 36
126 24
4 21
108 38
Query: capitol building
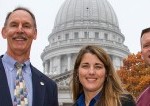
79 23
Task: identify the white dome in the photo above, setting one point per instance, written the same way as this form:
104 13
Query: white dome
79 13
79 23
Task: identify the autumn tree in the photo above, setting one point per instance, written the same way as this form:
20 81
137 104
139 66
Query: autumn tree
135 74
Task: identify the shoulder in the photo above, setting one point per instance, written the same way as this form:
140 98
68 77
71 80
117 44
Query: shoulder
75 104
1 59
145 93
144 97
42 76
127 100
1 64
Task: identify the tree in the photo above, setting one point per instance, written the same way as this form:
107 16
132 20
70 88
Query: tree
135 74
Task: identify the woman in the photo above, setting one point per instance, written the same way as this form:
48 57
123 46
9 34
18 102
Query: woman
95 82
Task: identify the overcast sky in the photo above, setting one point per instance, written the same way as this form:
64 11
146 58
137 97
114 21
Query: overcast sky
133 16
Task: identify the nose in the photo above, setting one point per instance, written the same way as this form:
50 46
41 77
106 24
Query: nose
20 28
91 70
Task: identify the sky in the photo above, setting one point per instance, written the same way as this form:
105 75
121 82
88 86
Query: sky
133 16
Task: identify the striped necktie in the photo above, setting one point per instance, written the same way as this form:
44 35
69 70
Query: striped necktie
20 92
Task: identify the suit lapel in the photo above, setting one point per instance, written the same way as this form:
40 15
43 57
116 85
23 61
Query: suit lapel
5 97
38 88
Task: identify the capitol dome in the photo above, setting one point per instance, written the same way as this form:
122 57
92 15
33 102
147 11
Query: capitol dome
79 13
79 23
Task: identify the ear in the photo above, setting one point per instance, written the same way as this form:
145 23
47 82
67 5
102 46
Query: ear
35 34
4 32
141 55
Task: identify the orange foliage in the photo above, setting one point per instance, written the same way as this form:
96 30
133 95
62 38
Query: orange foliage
135 74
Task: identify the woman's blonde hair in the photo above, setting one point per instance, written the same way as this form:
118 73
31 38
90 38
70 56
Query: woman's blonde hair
112 90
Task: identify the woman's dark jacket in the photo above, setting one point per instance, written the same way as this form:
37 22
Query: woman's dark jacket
126 101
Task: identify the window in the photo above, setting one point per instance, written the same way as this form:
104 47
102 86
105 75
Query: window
96 34
106 36
114 37
53 40
119 40
66 36
76 35
86 34
59 37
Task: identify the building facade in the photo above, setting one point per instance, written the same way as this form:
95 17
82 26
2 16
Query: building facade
79 23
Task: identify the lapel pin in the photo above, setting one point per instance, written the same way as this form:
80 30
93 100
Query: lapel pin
42 83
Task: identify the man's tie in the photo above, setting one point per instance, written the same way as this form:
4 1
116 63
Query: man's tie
20 92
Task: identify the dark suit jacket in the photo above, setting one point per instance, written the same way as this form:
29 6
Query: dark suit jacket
129 101
43 94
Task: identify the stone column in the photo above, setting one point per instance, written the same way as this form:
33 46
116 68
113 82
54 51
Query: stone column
51 67
121 61
69 62
115 62
59 64
43 67
46 67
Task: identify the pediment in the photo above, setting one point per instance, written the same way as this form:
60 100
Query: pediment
63 80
